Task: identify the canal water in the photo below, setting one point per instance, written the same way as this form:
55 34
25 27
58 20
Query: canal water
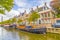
14 34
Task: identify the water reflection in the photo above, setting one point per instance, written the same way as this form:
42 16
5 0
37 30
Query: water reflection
8 34
13 34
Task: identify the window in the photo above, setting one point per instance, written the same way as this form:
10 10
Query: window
39 22
48 14
42 21
42 15
48 21
45 15
45 8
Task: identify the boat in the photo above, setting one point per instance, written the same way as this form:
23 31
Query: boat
13 26
6 25
10 25
33 30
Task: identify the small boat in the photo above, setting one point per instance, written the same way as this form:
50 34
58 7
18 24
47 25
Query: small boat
13 26
6 25
34 30
10 25
1 25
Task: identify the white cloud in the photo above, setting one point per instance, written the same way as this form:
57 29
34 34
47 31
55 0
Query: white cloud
26 4
4 17
9 15
21 10
12 13
21 3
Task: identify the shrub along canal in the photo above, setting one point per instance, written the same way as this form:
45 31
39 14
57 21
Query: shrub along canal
14 34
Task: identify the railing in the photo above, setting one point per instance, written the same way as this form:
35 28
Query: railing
53 30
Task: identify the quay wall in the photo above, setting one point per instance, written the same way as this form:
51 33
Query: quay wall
53 30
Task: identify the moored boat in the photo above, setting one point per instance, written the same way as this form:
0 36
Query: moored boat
6 25
13 26
33 30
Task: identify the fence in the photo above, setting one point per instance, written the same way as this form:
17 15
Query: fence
53 30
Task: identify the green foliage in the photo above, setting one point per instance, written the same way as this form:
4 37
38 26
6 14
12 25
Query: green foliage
10 21
58 15
13 20
2 11
56 7
6 4
19 21
58 12
34 16
6 22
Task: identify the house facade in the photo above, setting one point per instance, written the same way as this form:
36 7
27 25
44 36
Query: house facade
47 17
23 16
56 4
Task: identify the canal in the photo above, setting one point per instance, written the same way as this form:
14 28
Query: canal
13 34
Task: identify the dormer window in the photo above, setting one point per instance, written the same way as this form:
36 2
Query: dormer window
45 7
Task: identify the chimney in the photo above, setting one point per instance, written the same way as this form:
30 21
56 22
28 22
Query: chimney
31 9
25 12
37 7
45 3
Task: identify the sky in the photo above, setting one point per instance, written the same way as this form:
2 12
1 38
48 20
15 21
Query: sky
21 5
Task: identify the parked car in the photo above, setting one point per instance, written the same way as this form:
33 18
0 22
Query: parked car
56 25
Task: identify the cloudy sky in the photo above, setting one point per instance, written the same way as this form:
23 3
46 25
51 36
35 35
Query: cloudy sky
21 5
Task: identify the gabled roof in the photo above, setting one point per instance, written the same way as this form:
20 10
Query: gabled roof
40 8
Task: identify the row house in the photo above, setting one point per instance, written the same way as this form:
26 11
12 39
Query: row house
46 16
56 4
24 16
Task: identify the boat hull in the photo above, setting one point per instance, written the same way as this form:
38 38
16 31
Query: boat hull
38 31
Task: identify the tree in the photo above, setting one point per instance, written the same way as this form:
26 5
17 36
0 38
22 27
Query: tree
6 5
10 21
33 17
19 21
6 22
13 20
56 6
